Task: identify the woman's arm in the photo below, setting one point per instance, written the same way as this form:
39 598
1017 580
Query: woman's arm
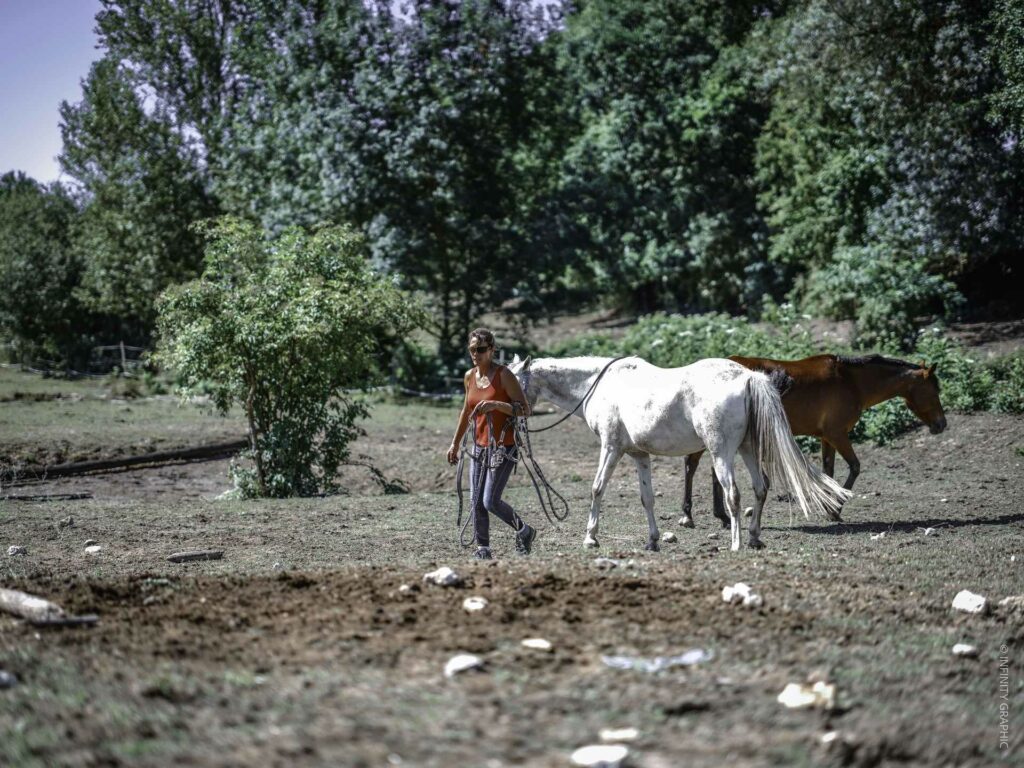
460 429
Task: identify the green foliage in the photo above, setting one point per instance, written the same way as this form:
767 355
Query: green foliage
39 271
884 293
283 327
142 192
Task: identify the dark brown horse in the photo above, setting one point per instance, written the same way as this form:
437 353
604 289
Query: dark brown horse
825 395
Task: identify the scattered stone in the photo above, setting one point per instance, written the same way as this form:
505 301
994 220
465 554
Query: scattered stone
669 537
405 589
658 663
474 604
820 695
14 550
90 542
1013 602
878 536
443 577
600 756
828 738
278 566
537 644
606 563
968 602
712 535
93 549
7 680
463 662
944 500
743 594
67 522
965 650
618 734
194 555
929 531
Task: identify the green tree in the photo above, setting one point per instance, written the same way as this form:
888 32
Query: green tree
284 327
39 272
142 190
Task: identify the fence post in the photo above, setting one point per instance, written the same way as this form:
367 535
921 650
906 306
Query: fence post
124 361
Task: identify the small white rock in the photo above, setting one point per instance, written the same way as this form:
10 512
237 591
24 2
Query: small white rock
618 734
606 562
90 542
944 500
878 536
669 537
93 549
7 680
930 531
600 756
15 550
963 649
463 662
828 738
405 589
968 602
474 604
743 594
443 577
537 644
712 535
278 566
796 696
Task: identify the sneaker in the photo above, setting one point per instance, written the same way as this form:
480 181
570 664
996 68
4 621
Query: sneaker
524 539
482 553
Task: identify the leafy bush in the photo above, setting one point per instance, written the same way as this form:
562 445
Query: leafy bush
884 293
283 327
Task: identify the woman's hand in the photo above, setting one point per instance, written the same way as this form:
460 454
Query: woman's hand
453 454
487 406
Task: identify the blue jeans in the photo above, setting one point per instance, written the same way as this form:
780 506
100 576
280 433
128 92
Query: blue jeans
489 498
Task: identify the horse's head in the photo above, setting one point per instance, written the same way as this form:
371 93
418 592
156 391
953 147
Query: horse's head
521 370
923 398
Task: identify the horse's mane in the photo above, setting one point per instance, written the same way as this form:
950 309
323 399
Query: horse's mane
876 360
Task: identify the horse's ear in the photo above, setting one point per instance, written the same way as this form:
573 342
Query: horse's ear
515 358
922 364
931 369
527 361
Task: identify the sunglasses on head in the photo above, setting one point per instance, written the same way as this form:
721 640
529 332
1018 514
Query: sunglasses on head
479 350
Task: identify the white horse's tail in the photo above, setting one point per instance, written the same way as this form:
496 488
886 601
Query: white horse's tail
780 457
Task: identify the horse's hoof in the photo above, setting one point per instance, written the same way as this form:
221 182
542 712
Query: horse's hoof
835 517
686 522
726 523
653 546
590 543
755 544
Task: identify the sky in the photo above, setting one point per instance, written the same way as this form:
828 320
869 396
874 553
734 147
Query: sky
46 47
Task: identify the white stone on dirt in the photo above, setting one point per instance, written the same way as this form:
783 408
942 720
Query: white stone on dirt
463 662
404 589
828 738
600 756
443 577
278 566
669 537
15 550
67 522
94 549
929 531
90 542
821 695
474 604
537 644
878 536
963 649
7 680
712 535
618 734
606 562
968 602
743 594
1013 602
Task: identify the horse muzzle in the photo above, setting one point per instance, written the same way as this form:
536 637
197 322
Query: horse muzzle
937 426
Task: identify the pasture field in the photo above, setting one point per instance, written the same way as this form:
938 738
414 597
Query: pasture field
323 660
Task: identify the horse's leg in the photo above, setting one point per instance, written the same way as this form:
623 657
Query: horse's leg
610 456
724 472
717 503
643 473
760 483
692 461
828 458
842 444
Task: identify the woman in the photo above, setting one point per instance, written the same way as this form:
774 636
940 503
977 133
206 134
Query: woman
492 394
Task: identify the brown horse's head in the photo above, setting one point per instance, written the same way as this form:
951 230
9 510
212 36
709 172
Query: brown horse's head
923 398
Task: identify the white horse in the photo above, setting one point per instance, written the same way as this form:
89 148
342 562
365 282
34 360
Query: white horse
638 409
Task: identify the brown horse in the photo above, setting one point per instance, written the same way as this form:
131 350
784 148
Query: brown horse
825 395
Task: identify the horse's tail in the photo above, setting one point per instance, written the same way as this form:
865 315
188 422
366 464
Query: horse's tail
780 457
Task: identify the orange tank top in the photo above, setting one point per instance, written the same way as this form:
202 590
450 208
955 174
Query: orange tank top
495 391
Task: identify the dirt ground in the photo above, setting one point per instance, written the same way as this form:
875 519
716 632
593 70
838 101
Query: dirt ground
301 646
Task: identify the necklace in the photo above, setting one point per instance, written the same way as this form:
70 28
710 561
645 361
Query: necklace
483 381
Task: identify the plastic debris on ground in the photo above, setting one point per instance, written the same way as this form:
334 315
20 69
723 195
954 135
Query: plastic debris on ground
658 663
820 695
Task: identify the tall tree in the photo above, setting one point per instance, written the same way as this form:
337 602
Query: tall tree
142 188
